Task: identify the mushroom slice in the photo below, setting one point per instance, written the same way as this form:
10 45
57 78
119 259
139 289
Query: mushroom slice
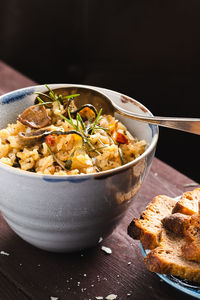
33 137
35 117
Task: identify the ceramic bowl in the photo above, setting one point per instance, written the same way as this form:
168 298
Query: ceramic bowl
70 213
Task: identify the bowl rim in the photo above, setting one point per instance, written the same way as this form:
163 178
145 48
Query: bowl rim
152 145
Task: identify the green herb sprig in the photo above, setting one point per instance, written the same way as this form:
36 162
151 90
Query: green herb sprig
80 126
54 97
96 120
84 130
55 158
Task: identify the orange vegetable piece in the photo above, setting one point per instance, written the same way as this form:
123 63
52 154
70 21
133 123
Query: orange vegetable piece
121 138
50 140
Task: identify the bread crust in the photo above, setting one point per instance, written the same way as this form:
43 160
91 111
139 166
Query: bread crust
160 264
148 232
172 238
176 223
191 248
189 203
168 259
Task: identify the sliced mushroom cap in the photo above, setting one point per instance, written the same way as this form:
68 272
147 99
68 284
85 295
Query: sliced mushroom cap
33 137
35 117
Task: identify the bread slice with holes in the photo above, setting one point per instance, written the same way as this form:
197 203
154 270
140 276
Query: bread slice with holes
168 259
189 203
191 247
148 228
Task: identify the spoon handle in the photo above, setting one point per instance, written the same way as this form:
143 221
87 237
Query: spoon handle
191 125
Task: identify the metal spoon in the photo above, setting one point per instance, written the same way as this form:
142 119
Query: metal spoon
99 100
191 125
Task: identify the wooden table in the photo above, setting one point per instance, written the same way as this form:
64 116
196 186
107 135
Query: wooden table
32 274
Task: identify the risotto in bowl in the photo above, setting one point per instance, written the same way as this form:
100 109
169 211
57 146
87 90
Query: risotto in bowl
69 169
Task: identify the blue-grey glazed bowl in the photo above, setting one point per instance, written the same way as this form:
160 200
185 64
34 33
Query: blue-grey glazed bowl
70 213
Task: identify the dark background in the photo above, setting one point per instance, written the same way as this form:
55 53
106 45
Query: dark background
148 50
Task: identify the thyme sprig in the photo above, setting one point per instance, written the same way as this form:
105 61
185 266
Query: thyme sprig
85 130
70 121
55 158
44 103
96 120
98 148
54 97
80 120
81 128
70 96
41 102
121 155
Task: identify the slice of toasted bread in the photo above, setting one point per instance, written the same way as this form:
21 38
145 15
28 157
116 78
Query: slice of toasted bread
189 203
191 248
148 228
168 259
173 239
176 223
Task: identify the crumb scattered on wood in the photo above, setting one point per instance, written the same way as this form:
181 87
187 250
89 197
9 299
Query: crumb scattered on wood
106 249
111 297
100 239
191 184
4 253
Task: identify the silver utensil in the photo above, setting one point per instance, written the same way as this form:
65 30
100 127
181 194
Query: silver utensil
191 125
100 100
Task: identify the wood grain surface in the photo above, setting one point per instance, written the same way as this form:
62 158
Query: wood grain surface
10 79
33 274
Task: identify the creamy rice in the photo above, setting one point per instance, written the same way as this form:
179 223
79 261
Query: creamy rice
105 146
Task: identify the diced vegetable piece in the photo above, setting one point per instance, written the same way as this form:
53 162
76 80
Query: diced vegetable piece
121 138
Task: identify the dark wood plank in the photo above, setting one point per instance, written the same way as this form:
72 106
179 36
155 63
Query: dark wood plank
9 291
33 274
11 79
